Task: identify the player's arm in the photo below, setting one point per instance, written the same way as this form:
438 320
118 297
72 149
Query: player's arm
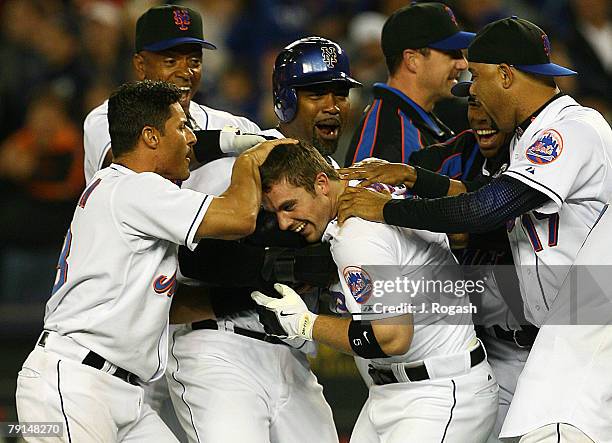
288 317
480 211
368 339
421 181
234 214
212 145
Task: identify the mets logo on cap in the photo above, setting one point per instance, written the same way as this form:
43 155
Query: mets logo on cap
546 149
450 12
359 283
546 44
181 19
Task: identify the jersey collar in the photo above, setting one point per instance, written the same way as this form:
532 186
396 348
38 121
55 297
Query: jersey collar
331 231
121 168
520 129
427 118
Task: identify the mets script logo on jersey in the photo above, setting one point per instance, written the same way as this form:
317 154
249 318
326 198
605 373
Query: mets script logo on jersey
329 55
163 284
182 19
359 283
546 149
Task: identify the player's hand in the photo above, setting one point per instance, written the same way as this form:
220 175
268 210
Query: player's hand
363 203
380 171
231 141
260 152
285 317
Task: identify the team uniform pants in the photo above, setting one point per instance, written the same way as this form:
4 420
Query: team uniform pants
230 388
507 361
460 409
92 405
556 433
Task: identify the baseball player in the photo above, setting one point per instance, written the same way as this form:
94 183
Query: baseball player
106 323
431 378
169 41
475 157
422 45
227 370
551 195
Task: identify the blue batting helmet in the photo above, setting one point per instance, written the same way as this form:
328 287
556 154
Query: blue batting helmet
305 62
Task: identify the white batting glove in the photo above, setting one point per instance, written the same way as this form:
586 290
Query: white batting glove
231 141
285 317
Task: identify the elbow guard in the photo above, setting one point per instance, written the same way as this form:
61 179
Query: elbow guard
363 341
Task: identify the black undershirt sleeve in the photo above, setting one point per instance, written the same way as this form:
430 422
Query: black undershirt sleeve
206 148
489 207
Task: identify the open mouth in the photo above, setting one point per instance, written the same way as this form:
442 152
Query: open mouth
328 129
486 137
299 228
185 92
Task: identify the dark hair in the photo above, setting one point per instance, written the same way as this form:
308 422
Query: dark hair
136 105
298 164
394 61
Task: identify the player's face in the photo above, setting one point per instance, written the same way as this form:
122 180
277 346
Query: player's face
181 65
490 139
321 114
439 72
298 210
488 90
174 148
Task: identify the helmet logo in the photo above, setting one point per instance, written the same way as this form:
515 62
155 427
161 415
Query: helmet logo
329 55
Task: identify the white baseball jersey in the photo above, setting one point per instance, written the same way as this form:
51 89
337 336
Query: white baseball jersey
97 141
458 403
565 153
367 252
567 376
117 269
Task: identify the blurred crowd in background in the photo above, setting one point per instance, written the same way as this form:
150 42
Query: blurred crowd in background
62 58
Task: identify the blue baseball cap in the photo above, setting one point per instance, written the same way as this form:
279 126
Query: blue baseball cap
517 42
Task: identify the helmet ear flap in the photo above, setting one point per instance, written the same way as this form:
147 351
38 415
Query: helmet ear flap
285 104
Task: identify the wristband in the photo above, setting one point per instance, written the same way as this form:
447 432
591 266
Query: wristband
363 341
430 184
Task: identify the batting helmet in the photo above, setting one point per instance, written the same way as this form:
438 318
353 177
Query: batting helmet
305 62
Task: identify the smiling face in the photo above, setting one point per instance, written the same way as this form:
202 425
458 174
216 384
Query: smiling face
300 211
180 65
439 71
174 146
322 111
490 139
489 87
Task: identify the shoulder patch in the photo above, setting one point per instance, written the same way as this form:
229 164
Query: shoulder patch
359 283
546 149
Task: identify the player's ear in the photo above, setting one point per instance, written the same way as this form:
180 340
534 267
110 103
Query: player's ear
409 59
139 65
150 136
506 75
322 183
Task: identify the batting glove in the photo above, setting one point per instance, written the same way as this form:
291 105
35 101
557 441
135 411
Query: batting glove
285 317
231 141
